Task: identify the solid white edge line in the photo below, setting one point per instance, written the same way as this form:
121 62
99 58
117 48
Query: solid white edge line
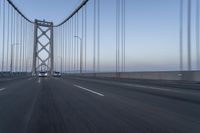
94 92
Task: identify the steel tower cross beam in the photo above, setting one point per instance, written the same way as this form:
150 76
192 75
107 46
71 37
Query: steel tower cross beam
43 29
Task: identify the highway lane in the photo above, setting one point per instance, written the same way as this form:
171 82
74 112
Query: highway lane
16 102
175 92
71 105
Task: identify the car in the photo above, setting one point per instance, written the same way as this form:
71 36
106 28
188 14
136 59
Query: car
42 74
57 74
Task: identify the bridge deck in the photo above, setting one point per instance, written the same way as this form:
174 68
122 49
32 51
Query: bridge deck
74 105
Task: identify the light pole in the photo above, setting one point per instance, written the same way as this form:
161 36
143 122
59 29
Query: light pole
81 53
11 62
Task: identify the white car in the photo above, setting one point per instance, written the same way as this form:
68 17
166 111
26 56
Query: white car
57 74
42 74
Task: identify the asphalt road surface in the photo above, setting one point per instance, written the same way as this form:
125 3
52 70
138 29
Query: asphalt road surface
86 105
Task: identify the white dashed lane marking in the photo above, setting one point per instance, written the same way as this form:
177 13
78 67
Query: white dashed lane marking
2 89
94 92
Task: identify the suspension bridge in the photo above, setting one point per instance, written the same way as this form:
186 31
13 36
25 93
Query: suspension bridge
99 89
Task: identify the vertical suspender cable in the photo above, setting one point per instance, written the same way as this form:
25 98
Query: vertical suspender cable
69 43
117 33
62 57
72 44
28 47
23 36
85 38
0 25
16 41
2 65
57 48
72 41
197 35
77 41
59 38
20 41
189 36
118 52
94 50
61 48
54 47
181 35
124 35
56 55
21 44
25 47
77 45
66 46
76 34
98 34
59 52
11 39
82 36
8 37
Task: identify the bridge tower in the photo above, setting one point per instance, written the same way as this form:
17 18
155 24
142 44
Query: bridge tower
43 47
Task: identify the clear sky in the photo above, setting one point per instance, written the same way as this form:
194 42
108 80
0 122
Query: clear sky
152 30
